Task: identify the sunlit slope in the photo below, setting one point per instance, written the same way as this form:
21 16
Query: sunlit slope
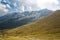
47 25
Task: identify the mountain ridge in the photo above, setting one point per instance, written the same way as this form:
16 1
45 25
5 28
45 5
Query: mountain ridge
15 19
47 28
45 22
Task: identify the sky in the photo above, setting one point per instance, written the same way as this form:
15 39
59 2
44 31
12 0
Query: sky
28 5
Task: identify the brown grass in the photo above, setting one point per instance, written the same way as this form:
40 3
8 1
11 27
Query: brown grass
47 28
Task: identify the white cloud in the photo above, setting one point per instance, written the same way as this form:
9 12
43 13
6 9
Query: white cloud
39 2
30 8
2 6
49 4
8 6
3 10
21 9
29 5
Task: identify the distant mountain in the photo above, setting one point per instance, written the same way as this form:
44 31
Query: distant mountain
42 12
15 19
47 28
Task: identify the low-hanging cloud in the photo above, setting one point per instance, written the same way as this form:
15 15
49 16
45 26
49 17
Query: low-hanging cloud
41 4
30 5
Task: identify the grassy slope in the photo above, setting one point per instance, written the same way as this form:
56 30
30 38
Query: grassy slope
48 27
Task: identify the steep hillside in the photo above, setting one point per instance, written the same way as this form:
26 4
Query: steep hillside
47 28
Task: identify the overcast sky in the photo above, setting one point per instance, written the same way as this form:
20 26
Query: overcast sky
28 5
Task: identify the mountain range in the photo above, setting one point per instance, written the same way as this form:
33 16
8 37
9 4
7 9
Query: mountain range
14 19
47 28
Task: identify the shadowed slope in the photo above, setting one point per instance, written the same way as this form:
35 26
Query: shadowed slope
48 27
48 23
15 19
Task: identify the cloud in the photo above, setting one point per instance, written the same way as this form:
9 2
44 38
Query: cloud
3 7
3 10
21 8
41 4
30 5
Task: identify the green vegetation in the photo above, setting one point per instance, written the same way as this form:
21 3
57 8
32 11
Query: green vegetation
47 28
